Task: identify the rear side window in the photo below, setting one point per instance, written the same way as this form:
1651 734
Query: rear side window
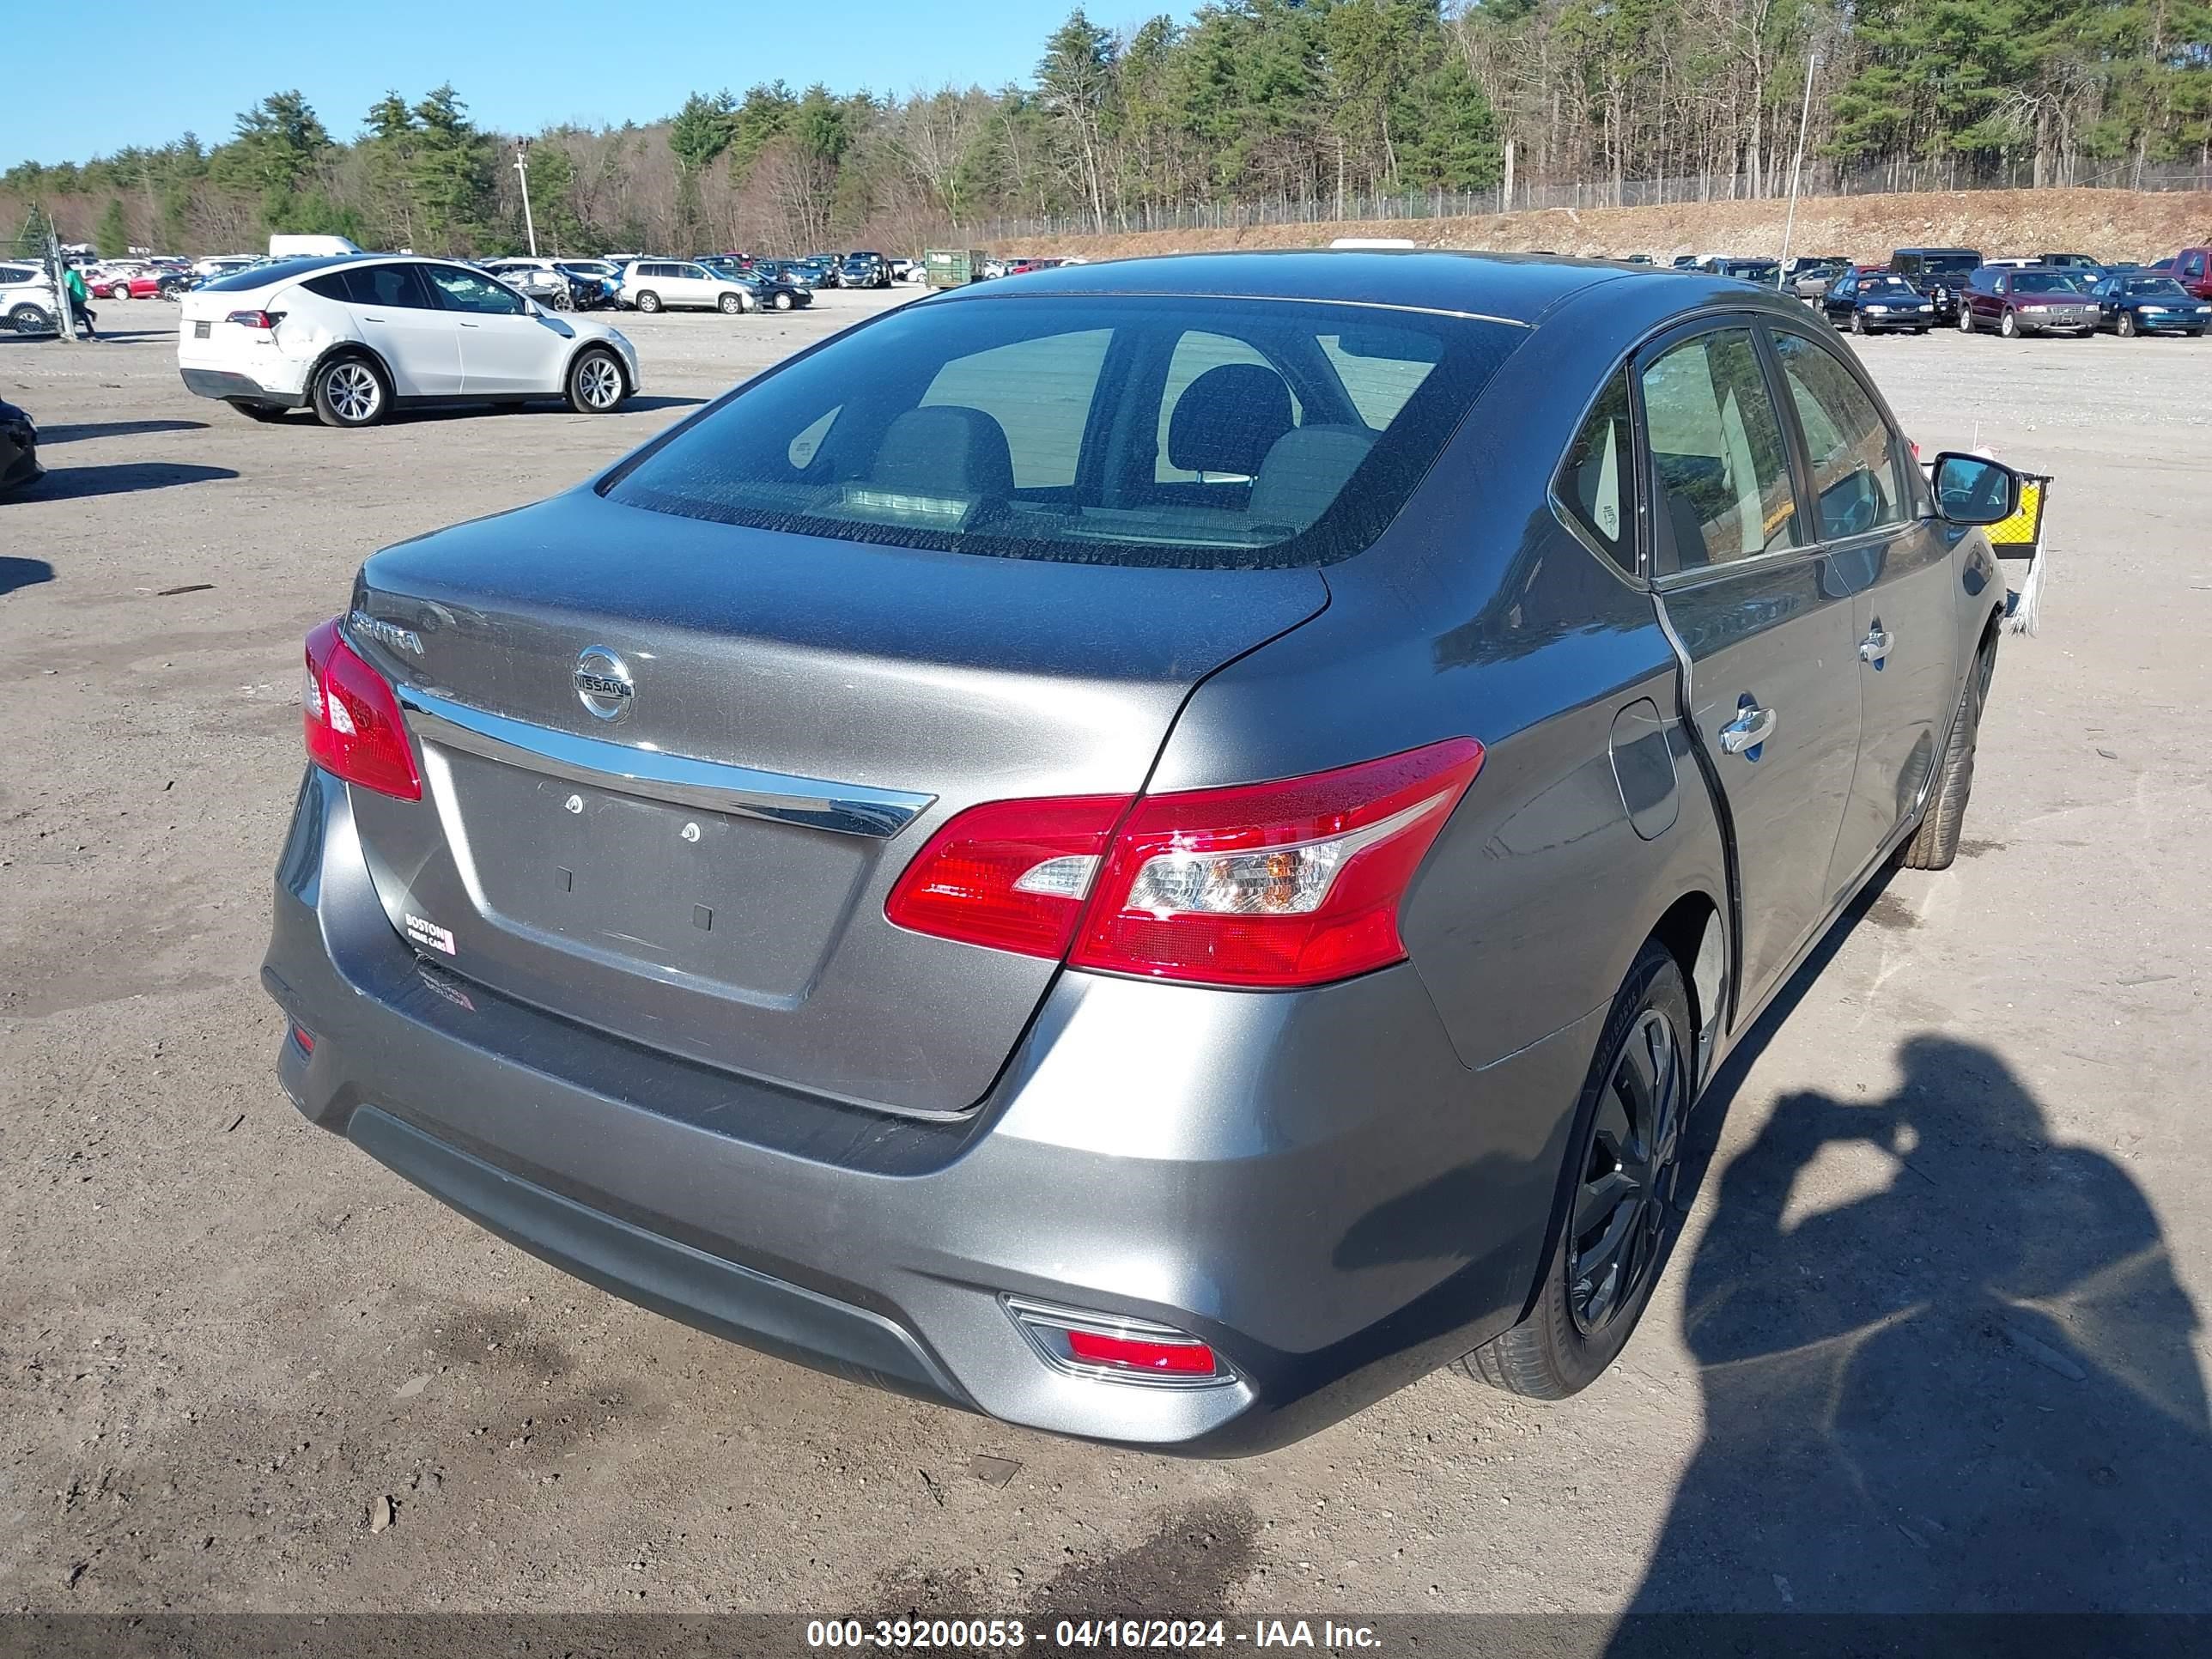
1857 483
1206 433
332 286
1597 478
1721 480
400 288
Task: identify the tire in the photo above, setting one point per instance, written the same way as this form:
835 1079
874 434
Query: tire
1935 842
588 387
648 302
2008 325
1558 1349
1859 322
2126 326
1966 319
782 303
252 411
351 391
729 305
31 319
1918 332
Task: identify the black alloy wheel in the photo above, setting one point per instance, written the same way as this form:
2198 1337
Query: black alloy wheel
1622 1205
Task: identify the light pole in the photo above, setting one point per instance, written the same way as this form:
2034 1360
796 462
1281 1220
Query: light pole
1804 119
529 225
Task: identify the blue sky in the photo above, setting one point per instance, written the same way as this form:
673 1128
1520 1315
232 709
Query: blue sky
98 78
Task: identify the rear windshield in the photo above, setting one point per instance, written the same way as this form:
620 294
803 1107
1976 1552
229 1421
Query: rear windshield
271 272
1949 265
1201 433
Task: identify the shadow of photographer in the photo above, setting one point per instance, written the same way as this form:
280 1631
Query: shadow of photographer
1969 1386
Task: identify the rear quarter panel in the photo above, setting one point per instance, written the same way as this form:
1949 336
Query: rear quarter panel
1479 614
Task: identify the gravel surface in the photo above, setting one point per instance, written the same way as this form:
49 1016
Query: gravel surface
1929 1340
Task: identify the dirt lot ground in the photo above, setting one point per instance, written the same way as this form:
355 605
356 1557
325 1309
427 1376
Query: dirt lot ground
1930 1340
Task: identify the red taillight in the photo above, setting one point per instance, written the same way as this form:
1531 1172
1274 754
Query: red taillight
1010 874
1296 882
255 319
305 1038
352 720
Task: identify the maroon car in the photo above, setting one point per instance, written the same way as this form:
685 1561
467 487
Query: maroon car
2027 300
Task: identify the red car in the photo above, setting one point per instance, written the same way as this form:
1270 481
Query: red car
133 285
2191 268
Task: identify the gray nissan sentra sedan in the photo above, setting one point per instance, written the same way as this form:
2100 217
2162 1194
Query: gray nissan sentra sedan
1154 852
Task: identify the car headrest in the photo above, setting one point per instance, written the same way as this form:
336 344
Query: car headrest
1228 419
945 449
1305 472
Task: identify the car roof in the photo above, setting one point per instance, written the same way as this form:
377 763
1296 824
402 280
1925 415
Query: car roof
1511 287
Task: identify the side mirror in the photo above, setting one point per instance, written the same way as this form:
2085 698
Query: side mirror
532 308
1971 489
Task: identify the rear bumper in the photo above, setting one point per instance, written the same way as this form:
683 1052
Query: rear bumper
228 383
1312 1184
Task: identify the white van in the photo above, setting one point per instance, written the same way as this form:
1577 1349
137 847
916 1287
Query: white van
296 247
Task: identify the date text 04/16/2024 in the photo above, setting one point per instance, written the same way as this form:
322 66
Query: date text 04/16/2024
921 1635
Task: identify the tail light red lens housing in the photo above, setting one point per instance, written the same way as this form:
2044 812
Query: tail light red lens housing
1295 882
1105 1348
352 721
261 320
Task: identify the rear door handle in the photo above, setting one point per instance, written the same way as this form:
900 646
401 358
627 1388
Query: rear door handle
468 325
1751 727
1875 645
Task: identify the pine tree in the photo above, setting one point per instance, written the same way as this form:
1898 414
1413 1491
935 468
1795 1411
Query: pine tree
114 236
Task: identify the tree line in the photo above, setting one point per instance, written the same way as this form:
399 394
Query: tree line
1313 100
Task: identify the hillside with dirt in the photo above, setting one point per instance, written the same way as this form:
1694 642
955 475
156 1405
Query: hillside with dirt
2114 224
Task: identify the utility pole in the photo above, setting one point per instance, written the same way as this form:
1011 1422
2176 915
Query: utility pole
522 167
1789 224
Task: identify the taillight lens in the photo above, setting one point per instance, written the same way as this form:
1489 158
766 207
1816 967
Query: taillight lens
1009 874
255 319
352 720
1296 882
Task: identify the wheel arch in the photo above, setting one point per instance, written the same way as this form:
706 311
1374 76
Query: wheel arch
338 348
595 343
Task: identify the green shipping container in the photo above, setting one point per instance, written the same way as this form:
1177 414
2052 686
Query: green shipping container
950 267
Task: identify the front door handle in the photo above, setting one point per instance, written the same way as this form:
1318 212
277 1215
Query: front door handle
1752 726
1875 645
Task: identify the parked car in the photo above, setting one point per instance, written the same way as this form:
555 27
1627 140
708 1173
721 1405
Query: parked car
2192 268
864 270
780 290
27 298
593 284
542 280
653 285
1940 273
136 282
1126 970
1875 302
1764 272
2015 303
2079 263
354 337
222 264
2130 303
19 449
1814 277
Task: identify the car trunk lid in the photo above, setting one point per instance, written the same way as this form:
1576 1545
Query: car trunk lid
671 769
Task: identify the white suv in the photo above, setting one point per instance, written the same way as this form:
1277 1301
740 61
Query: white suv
27 298
353 336
651 284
